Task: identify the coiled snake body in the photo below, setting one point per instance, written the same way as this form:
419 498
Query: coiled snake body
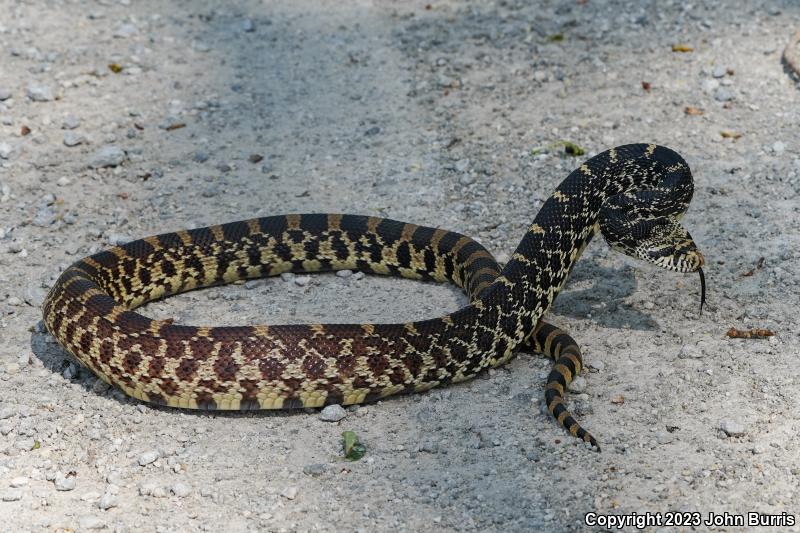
634 193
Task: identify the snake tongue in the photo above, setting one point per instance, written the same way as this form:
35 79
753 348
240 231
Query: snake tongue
702 290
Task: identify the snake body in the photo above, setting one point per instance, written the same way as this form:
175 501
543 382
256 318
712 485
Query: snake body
635 193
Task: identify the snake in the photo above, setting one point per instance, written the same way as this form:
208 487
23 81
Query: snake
635 195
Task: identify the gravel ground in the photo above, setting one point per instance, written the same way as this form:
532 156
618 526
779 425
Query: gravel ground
122 119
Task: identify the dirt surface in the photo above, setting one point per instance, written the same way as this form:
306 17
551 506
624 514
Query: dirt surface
432 113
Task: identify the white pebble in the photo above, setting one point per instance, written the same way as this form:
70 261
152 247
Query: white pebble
12 495
73 139
287 276
148 458
63 181
19 481
290 493
778 147
732 428
107 501
302 281
107 156
40 93
181 490
578 384
344 273
64 483
690 352
332 413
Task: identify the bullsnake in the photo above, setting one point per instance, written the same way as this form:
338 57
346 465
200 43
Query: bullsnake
635 194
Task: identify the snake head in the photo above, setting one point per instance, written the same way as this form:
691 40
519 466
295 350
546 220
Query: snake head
662 241
657 239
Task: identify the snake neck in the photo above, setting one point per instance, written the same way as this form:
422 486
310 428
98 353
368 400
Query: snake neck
565 225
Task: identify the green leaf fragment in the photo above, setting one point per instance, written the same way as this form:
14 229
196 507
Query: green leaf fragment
556 37
353 449
570 148
573 149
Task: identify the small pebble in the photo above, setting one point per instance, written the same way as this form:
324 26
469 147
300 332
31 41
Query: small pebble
107 501
251 284
5 151
45 217
34 295
73 139
719 72
302 281
248 25
5 94
19 481
181 490
332 413
578 384
778 147
255 158
13 300
152 488
200 156
6 412
690 352
723 94
344 273
40 93
372 131
314 470
12 495
64 483
287 276
70 122
290 493
732 428
664 437
63 181
118 239
148 458
107 156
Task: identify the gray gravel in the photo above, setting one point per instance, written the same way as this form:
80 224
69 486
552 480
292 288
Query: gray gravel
440 113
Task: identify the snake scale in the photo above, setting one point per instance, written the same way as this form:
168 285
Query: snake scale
633 194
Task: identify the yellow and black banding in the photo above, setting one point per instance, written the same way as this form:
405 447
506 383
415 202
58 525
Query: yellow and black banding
565 352
90 309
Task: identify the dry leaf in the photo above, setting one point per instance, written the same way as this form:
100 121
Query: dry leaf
682 47
696 111
177 126
25 130
646 86
727 134
619 399
754 333
116 68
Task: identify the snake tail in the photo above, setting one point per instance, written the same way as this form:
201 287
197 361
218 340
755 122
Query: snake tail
559 346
